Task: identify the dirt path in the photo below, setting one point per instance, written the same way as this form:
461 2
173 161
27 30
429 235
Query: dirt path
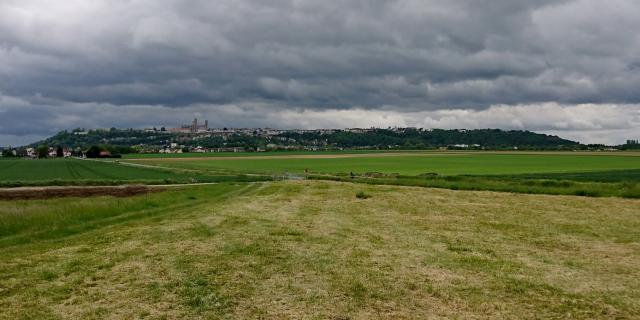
31 193
46 192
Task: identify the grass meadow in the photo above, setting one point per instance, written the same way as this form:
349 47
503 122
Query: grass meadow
255 154
558 186
582 174
320 250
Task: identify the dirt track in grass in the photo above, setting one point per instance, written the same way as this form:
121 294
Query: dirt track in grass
31 193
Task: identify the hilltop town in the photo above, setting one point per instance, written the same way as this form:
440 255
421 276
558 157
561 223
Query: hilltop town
199 137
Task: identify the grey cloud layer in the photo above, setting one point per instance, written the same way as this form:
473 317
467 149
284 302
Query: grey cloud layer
594 123
394 55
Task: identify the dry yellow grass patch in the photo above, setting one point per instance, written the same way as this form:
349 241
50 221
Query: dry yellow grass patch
312 250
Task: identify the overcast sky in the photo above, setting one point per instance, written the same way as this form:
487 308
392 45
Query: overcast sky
570 68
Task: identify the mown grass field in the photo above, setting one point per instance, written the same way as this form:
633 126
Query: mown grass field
415 164
313 250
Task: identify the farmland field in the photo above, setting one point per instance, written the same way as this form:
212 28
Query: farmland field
86 171
375 247
64 169
566 173
254 154
413 164
610 174
312 249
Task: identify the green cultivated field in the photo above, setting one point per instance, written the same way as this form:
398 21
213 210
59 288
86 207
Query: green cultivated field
584 174
73 171
587 174
313 250
419 163
70 169
253 154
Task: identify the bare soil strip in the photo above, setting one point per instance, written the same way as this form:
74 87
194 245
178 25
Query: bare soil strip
32 193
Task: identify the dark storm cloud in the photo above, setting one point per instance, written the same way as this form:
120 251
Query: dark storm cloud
63 59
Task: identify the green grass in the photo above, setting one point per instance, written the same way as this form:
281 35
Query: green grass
623 189
29 220
549 173
252 154
441 163
72 169
14 173
311 249
584 174
596 176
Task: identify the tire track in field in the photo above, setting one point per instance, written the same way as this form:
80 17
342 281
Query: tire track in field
73 171
6 168
97 173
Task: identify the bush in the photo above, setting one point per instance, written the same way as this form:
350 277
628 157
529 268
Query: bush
93 152
7 153
362 195
43 151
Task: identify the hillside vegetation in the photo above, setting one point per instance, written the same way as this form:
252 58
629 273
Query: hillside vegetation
376 138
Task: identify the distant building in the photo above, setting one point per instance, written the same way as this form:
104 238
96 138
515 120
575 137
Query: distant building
31 153
180 130
194 127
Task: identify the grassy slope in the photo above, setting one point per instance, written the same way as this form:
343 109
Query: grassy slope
449 164
313 250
